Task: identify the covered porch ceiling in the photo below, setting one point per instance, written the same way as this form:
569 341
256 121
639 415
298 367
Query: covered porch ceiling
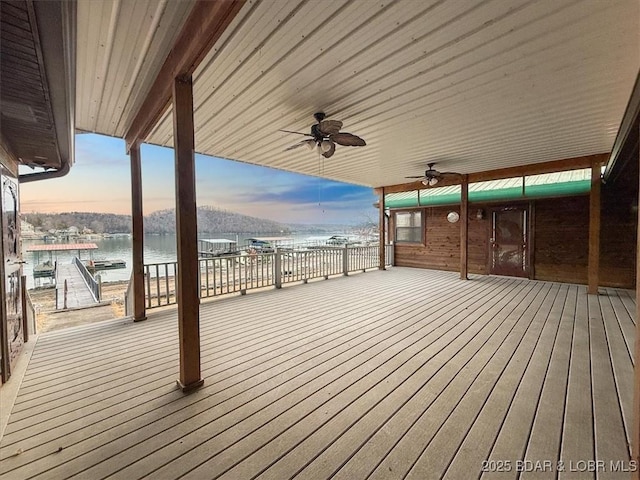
472 86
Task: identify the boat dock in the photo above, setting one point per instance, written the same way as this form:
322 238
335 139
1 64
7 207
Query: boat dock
75 285
75 288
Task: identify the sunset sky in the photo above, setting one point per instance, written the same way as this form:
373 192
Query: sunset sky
99 181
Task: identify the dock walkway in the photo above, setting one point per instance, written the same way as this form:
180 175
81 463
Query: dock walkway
78 292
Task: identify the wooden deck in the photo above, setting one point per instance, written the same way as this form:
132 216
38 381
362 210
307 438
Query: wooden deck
406 373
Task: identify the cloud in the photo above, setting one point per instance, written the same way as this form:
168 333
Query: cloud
314 191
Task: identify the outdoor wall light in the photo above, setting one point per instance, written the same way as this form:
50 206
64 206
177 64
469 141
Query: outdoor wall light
480 214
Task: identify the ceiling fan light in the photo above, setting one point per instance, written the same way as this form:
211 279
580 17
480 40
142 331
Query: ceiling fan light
325 146
433 181
310 145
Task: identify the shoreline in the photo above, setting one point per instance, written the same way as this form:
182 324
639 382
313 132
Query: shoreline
48 318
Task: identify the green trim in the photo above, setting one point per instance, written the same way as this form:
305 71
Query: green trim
579 187
401 203
510 193
448 199
556 189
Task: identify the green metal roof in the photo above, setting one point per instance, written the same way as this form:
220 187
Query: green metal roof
573 182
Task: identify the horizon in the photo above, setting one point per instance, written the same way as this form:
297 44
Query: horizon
100 177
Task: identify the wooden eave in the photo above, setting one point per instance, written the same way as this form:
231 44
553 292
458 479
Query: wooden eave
37 58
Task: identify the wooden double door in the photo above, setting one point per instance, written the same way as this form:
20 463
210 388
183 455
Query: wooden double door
509 242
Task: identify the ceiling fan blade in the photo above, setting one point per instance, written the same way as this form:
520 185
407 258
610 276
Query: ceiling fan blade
416 176
331 150
300 144
329 127
297 133
347 139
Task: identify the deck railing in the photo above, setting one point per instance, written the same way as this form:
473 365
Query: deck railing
160 283
93 285
239 273
128 298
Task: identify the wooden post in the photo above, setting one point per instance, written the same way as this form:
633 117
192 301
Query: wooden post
594 230
381 223
464 227
187 241
137 231
25 319
635 439
277 265
345 260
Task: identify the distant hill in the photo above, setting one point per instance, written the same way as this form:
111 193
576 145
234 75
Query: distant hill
210 219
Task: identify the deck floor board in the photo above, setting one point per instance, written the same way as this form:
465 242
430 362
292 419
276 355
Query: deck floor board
406 373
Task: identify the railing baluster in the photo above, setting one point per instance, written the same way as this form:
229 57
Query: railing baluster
166 280
158 282
147 275
206 278
216 261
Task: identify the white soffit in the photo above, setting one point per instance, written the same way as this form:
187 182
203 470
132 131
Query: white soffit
473 86
121 46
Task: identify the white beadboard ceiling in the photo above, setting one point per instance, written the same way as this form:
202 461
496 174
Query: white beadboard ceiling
473 86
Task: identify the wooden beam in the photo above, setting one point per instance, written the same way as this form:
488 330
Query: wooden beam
187 280
464 228
532 169
594 229
137 230
204 26
381 222
635 439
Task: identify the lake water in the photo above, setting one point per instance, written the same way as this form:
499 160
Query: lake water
157 249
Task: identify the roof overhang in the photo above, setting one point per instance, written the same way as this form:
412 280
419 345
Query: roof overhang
38 84
471 86
625 147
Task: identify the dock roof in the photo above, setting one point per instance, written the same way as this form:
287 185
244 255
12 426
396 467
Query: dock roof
217 240
52 247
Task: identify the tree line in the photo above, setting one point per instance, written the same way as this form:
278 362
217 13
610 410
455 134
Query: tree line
210 219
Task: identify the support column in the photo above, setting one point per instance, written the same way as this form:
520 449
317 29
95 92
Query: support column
137 230
187 290
464 227
594 230
635 439
381 222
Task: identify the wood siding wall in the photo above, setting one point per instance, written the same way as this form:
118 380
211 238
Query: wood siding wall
442 246
619 229
441 250
560 240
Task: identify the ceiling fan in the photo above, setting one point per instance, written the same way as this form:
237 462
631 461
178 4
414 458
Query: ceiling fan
432 176
325 135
